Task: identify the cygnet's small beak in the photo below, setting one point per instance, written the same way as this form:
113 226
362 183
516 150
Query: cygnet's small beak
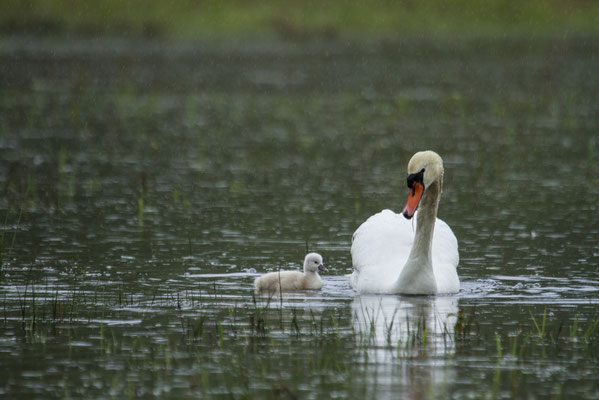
321 268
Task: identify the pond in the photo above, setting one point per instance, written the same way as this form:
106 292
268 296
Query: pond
147 183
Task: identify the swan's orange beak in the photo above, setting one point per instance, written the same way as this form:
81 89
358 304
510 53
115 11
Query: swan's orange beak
414 197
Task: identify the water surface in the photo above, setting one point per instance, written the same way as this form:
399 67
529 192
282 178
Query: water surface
146 183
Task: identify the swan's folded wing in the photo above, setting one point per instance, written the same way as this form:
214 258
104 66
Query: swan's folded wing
445 258
445 245
381 244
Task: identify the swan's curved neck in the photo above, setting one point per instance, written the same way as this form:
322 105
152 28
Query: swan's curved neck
417 275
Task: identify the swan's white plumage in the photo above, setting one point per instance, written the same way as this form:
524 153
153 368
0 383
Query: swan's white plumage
382 244
390 254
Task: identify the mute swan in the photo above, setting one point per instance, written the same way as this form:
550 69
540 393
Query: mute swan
294 280
388 257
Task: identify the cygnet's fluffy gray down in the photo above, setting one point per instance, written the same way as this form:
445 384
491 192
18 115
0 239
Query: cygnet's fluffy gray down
294 280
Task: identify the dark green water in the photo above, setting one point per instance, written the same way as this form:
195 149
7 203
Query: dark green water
145 183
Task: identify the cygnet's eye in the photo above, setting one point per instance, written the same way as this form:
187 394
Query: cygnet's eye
315 262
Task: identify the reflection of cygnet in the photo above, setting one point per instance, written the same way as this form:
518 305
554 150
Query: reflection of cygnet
294 280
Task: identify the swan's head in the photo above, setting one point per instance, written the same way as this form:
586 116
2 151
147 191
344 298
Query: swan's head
424 168
313 263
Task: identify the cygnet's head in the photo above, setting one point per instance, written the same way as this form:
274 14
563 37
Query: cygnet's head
313 263
424 168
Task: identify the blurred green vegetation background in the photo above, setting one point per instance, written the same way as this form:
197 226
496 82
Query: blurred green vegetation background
306 19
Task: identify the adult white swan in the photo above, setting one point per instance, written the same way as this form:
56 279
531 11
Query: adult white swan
388 257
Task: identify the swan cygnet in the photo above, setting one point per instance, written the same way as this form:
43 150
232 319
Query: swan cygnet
294 280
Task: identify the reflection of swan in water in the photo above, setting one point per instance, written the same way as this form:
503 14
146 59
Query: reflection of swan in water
392 319
405 337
